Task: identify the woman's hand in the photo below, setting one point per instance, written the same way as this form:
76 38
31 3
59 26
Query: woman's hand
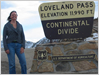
22 50
7 51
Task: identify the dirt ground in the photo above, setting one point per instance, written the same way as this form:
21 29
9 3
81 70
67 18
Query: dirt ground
29 53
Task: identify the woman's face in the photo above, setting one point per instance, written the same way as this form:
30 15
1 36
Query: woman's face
13 16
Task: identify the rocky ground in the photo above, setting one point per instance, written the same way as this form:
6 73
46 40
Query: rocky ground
4 61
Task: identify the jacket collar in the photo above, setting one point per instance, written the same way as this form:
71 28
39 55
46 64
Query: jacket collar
16 30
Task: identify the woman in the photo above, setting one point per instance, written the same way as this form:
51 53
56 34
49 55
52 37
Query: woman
14 43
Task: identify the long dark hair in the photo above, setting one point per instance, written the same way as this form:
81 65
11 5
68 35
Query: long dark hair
9 19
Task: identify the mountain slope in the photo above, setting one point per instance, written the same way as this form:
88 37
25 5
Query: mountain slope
28 44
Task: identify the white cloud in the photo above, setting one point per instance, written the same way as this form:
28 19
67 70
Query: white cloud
1 37
27 15
27 12
34 35
96 14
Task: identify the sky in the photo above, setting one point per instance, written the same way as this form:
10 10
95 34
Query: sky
28 16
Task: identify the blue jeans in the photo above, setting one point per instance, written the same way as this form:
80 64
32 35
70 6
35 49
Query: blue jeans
14 48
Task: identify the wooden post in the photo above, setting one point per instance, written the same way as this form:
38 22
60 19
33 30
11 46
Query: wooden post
50 40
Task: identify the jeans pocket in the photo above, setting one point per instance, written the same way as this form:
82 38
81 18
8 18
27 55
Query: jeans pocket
10 45
19 45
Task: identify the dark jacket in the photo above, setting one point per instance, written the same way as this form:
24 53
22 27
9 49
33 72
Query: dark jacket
10 34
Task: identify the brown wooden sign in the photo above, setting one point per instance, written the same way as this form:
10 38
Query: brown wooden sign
70 19
74 57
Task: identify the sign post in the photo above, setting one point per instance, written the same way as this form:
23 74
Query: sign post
69 19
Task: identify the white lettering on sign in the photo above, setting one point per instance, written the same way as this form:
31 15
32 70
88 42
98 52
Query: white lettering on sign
68 31
67 24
